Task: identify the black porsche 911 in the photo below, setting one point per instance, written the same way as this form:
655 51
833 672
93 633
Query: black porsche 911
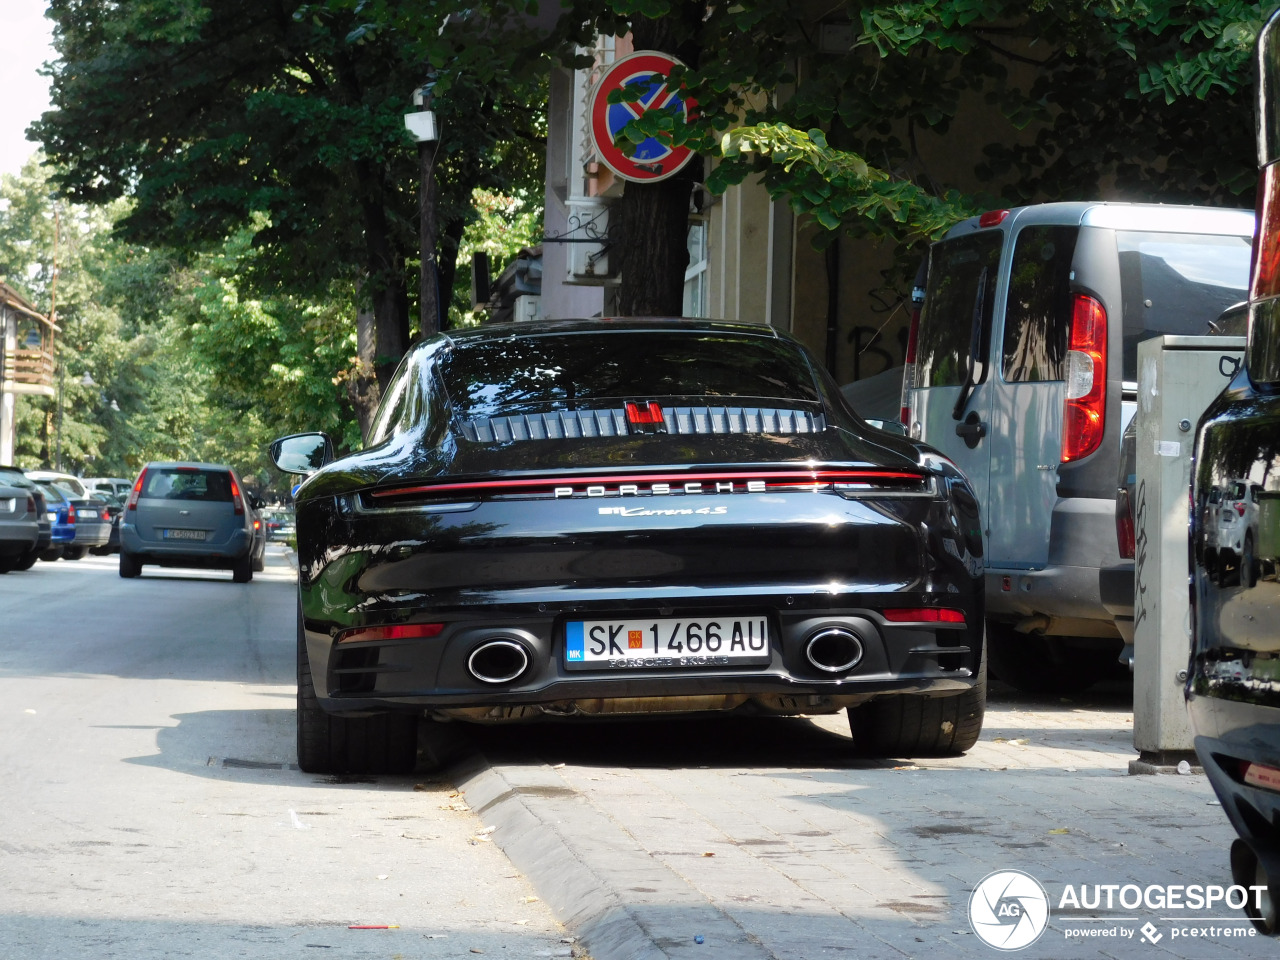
622 517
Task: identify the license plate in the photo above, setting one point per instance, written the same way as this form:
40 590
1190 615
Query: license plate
184 534
88 514
665 642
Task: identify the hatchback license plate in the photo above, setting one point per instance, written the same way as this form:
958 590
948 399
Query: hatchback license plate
666 642
184 534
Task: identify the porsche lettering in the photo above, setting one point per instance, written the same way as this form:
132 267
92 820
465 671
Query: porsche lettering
661 489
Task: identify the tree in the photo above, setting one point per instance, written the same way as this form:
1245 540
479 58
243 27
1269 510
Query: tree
210 116
840 110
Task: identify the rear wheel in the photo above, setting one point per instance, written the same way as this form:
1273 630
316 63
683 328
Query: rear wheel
910 725
383 743
27 560
242 570
130 566
52 554
75 553
258 564
8 563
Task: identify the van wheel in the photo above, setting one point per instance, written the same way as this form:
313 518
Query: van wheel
75 553
52 554
27 560
130 566
911 725
259 564
242 570
1034 663
383 743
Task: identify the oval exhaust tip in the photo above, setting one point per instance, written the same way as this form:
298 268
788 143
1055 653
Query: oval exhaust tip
498 661
834 650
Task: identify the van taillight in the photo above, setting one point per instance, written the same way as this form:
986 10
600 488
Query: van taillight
1266 240
992 218
1084 412
31 504
137 489
1126 538
235 497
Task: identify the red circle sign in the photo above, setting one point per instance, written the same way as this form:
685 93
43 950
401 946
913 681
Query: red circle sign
652 160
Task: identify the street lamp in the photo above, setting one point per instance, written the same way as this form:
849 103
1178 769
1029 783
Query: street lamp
422 124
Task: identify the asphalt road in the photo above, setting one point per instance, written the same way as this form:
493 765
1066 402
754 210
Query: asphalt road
150 804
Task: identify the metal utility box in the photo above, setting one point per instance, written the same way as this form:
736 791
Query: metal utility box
1178 377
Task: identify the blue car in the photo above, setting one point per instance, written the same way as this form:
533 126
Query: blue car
61 521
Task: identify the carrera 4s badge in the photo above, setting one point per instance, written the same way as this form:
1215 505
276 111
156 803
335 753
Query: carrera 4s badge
674 512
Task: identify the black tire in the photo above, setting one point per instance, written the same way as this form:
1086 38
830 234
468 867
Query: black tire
1248 569
259 564
100 551
383 743
242 570
27 560
1034 663
75 553
8 563
130 566
52 554
911 725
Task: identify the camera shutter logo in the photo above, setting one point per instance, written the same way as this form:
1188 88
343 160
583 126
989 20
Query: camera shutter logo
1009 910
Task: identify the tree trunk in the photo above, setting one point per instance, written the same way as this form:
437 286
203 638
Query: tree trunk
650 222
362 386
386 279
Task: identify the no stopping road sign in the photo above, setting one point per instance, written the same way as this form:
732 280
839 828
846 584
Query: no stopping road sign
646 71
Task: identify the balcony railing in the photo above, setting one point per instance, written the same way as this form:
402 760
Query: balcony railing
32 367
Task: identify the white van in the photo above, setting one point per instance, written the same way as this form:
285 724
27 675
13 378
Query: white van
1022 368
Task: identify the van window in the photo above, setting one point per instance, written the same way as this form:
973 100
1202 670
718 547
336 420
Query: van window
958 270
1176 283
188 483
1037 320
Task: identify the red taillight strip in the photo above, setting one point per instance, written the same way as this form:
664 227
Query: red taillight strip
235 497
923 615
398 631
780 478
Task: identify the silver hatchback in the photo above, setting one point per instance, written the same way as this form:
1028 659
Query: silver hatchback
188 515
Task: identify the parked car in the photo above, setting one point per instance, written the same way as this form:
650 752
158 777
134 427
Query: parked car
583 518
79 524
117 486
184 514
19 522
279 523
1022 368
114 509
62 519
68 482
1233 685
15 477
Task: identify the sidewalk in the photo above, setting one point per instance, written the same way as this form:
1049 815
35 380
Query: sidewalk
765 839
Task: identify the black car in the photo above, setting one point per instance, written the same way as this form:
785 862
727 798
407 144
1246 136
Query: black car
1233 685
613 517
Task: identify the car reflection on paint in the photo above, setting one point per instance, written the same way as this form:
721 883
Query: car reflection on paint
618 517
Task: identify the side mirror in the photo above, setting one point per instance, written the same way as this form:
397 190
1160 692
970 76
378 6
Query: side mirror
302 453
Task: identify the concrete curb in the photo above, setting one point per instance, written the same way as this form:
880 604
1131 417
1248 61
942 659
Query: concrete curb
618 901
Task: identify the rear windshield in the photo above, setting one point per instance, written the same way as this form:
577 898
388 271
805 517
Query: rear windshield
568 368
1176 283
187 483
957 305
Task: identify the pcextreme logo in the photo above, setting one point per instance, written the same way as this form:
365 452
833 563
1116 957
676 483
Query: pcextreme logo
1009 910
